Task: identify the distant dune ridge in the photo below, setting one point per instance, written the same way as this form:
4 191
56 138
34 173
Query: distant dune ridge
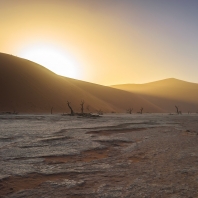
167 93
27 87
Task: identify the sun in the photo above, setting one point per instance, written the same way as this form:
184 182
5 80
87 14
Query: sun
55 59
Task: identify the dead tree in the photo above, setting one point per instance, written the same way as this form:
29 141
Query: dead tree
130 110
82 106
141 110
72 112
177 110
52 110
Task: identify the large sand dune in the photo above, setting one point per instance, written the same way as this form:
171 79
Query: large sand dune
167 93
27 87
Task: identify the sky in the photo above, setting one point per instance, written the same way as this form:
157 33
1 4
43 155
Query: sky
105 41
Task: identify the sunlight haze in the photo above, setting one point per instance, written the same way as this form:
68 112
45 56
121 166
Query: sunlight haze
105 42
54 59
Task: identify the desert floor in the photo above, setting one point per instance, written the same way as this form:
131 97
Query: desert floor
115 155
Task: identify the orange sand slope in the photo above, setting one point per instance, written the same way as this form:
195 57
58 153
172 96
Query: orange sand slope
27 87
167 93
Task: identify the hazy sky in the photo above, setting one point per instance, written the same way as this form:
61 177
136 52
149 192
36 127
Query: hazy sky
105 41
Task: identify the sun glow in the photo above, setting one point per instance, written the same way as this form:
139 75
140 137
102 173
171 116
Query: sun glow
53 58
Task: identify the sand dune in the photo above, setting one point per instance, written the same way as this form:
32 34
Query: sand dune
167 93
27 87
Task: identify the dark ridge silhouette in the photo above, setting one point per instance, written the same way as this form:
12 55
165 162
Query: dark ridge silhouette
27 87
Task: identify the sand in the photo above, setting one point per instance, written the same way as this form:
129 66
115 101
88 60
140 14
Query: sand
27 87
167 93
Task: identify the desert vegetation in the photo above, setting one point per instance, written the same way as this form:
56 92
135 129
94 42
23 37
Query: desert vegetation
72 112
130 110
82 113
177 110
141 110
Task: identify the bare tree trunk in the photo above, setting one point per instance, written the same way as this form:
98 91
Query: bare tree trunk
177 109
141 110
82 106
72 112
130 110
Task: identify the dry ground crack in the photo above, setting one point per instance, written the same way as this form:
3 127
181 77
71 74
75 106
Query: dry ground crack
161 161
